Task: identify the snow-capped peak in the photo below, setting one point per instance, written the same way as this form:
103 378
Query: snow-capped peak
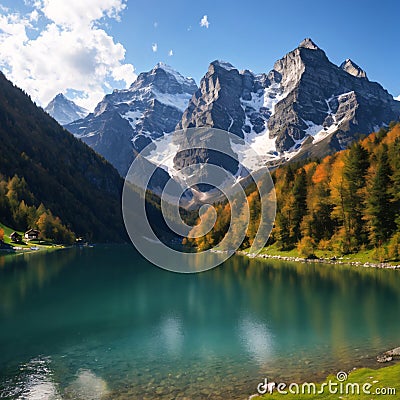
169 70
60 96
223 64
64 110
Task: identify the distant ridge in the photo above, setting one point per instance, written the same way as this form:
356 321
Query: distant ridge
64 110
126 121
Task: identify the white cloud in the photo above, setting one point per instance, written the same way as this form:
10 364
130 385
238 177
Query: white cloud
34 16
171 53
204 21
155 24
79 13
71 52
154 47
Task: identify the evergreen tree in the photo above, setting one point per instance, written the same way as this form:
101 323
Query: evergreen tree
345 201
354 173
379 202
282 231
395 181
299 206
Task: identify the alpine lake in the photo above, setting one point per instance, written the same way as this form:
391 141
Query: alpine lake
103 323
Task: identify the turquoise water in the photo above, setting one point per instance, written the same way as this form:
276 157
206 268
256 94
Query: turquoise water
102 323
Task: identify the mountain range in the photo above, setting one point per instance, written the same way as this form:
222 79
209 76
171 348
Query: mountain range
50 179
305 106
126 121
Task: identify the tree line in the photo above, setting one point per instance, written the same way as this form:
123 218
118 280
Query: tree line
20 210
69 178
346 202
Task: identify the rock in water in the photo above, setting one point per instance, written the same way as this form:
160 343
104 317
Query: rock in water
389 355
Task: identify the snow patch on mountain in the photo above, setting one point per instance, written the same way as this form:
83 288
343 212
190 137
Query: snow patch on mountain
313 129
180 78
320 132
262 146
224 64
178 100
163 153
133 117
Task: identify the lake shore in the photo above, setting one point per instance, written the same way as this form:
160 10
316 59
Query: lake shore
19 250
331 260
382 378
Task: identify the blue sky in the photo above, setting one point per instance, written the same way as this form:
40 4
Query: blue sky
254 34
115 37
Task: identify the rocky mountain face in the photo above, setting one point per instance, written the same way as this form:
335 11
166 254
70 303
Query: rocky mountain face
353 69
305 106
64 110
126 121
237 102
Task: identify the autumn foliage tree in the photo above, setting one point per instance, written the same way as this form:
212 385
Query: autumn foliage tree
345 202
19 209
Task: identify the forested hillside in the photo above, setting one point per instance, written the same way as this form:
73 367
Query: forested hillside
346 202
51 180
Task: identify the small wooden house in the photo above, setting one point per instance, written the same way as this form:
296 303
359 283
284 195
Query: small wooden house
32 234
16 237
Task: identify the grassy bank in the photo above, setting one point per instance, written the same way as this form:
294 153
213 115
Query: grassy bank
381 380
24 246
362 257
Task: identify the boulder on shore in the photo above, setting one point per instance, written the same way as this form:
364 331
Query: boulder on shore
389 355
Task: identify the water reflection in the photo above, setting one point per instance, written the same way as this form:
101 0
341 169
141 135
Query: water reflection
171 334
34 382
124 325
24 273
256 338
87 386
